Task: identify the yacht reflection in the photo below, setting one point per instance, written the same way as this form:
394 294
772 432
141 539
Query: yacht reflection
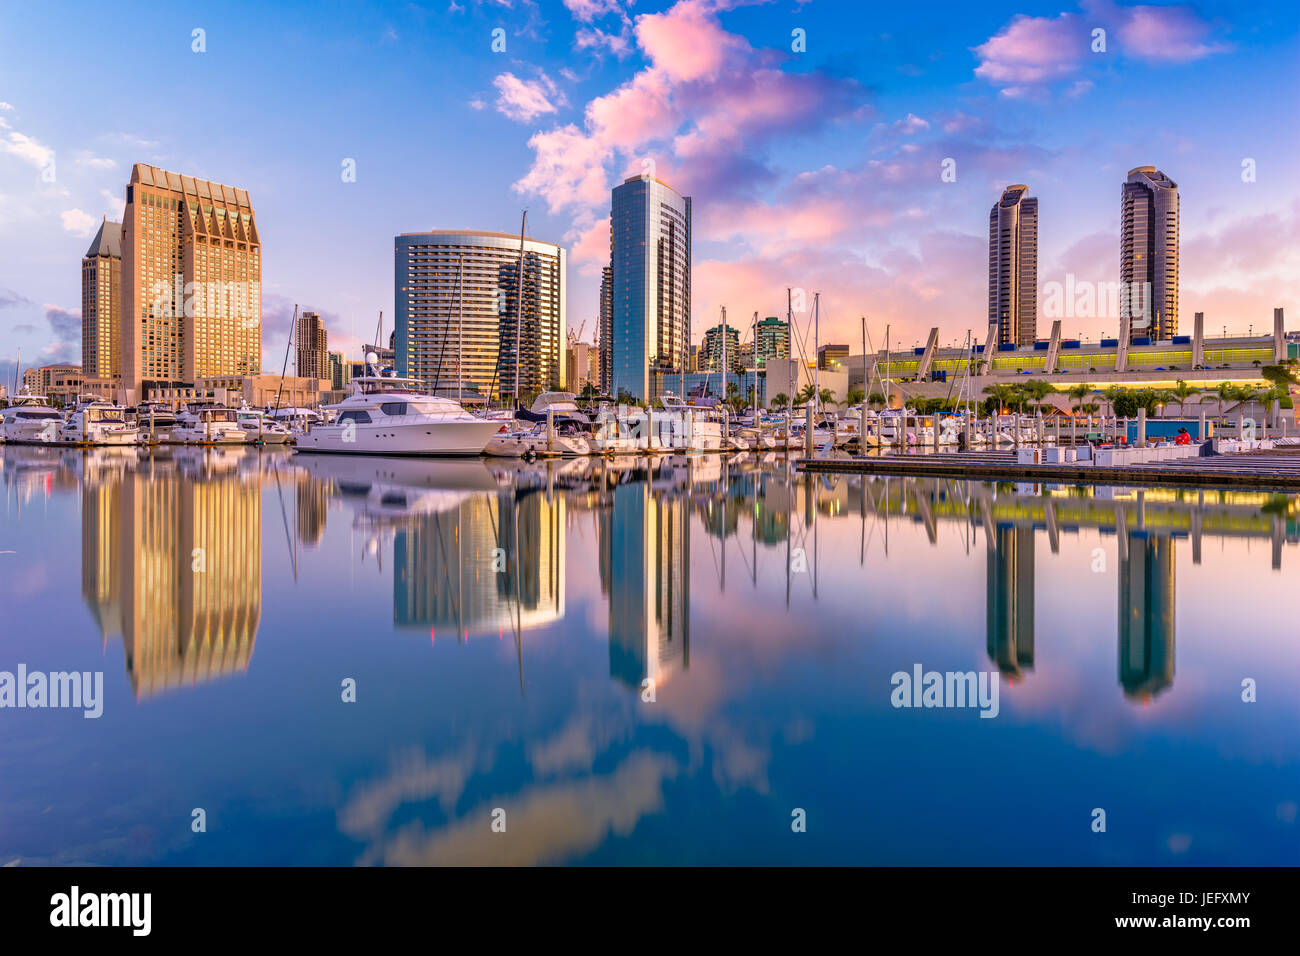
470 555
171 563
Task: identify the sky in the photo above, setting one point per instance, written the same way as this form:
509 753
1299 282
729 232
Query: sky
828 146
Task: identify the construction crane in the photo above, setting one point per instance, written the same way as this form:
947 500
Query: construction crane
576 337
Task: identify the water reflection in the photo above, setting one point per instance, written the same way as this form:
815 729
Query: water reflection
765 610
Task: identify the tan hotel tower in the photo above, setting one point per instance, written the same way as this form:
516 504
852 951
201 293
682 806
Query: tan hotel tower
191 282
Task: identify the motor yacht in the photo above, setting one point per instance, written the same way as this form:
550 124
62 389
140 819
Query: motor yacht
388 415
96 422
260 427
30 419
203 424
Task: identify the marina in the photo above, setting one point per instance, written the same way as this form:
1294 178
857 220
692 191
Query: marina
638 656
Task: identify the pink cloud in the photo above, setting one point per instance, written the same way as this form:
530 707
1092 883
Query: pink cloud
687 43
524 100
1173 34
1033 49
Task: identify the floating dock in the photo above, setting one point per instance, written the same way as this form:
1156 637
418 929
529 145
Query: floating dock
1277 468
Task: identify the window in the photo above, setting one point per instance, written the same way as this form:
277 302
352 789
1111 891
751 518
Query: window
394 408
360 418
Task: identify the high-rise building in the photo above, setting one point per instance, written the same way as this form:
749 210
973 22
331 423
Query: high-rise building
101 303
1009 600
1146 613
191 282
457 293
340 371
313 355
583 361
650 263
711 351
829 356
1013 266
1148 254
606 330
773 339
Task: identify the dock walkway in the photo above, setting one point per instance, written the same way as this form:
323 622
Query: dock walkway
1275 469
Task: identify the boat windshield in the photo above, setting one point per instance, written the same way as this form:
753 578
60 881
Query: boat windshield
218 415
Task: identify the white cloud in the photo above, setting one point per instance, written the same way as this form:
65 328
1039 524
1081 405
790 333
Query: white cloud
27 149
523 100
78 222
89 160
6 106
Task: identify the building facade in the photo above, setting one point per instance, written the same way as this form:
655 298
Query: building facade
191 282
583 361
710 356
773 339
650 284
1148 255
312 358
101 303
606 329
831 356
1013 266
457 297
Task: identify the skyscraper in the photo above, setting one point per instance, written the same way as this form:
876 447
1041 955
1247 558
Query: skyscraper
1148 254
101 303
650 266
711 352
312 358
606 330
435 327
773 339
191 281
1013 266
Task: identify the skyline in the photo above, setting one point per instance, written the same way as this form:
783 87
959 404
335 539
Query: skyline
817 169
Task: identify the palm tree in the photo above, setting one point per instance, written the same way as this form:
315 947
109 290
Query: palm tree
1077 394
1182 391
779 400
876 400
1006 395
805 394
855 397
827 397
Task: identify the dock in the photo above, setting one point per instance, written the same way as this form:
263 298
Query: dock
1275 469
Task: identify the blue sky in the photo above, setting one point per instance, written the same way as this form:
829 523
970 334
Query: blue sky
818 169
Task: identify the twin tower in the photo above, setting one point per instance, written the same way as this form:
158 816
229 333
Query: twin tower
1148 259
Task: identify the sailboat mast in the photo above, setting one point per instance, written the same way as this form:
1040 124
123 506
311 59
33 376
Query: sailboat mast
285 367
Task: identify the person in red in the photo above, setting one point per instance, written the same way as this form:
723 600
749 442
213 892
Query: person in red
1183 437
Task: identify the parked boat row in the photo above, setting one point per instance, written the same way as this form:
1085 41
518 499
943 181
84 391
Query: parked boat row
31 419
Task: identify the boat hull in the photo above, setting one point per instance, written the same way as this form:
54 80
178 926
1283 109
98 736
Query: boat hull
423 439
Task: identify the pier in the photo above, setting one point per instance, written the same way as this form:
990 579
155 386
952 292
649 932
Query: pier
1276 468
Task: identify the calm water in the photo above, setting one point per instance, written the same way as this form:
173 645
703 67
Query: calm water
504 626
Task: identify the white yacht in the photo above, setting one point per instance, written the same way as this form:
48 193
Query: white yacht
260 427
532 442
202 424
31 419
387 415
96 422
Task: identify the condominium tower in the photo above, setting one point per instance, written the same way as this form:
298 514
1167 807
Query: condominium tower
191 282
650 268
1013 266
773 339
457 294
1148 256
101 303
312 353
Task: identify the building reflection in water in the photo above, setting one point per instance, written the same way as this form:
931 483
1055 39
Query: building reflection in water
171 562
445 565
1009 603
1146 613
645 568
